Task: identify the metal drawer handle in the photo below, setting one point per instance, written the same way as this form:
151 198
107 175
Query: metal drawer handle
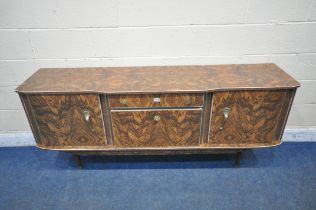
156 100
226 111
123 101
87 117
188 102
156 118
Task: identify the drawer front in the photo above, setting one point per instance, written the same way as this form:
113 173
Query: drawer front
156 128
156 100
251 116
68 120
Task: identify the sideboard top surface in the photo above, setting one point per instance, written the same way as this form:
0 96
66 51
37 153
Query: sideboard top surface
158 79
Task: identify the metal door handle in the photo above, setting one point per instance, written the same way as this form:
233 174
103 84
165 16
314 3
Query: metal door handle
226 111
87 117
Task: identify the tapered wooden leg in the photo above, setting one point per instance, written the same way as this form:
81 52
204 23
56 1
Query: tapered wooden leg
79 161
237 158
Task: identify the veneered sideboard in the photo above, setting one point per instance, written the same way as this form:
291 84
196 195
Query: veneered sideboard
158 109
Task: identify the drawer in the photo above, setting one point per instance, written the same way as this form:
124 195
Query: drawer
156 100
156 128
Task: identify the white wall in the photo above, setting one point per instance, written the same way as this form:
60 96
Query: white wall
77 33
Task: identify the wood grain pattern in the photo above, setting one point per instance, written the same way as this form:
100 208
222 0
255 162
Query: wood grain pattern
206 117
160 152
61 122
253 117
126 150
259 95
107 118
30 117
288 100
147 100
139 129
158 79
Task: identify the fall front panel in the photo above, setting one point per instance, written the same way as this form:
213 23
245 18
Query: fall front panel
156 128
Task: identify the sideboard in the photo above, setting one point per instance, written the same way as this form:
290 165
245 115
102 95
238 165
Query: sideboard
158 109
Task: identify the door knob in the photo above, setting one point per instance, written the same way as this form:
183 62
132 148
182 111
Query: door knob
156 118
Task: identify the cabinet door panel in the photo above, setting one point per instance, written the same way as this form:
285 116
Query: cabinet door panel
61 121
155 128
253 116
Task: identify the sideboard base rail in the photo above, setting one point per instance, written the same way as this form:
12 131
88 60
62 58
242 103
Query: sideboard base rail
237 158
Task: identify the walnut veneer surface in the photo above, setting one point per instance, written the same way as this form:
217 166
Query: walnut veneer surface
158 79
60 122
253 116
174 128
148 100
158 110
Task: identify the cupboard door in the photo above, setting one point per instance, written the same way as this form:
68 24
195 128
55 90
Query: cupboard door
251 117
68 120
156 128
